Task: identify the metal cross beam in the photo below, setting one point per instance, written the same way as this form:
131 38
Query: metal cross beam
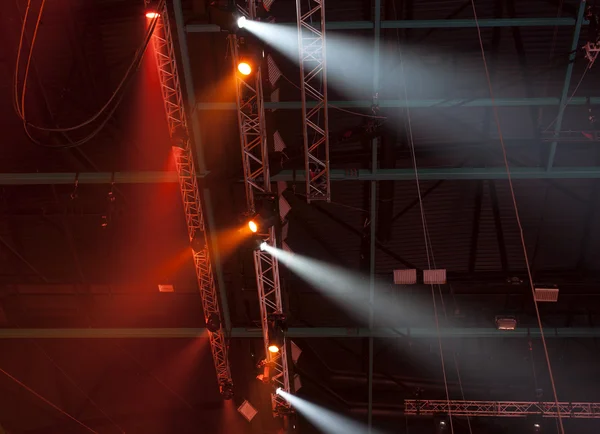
188 181
313 85
421 24
575 410
416 103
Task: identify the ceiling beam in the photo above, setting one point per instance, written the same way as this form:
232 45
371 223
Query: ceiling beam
419 24
415 103
429 174
297 332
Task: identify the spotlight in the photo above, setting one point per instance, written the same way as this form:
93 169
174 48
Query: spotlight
198 243
263 246
537 428
152 14
213 323
241 22
276 329
226 389
244 68
278 391
253 226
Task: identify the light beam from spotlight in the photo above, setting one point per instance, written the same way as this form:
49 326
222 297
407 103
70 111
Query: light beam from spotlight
326 420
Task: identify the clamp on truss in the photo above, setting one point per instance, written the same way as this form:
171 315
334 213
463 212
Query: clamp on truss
313 85
190 193
577 410
257 181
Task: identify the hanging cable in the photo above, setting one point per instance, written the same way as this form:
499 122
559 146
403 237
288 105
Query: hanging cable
54 406
427 249
516 209
115 99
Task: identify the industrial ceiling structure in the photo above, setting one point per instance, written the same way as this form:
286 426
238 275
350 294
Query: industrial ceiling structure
394 140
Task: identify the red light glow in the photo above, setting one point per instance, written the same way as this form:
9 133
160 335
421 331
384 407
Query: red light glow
152 14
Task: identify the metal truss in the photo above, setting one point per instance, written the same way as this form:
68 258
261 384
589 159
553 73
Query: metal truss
257 181
190 193
313 85
577 410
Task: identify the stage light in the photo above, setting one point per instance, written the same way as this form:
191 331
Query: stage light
244 68
263 246
276 326
241 22
213 323
152 14
253 226
226 389
273 348
278 391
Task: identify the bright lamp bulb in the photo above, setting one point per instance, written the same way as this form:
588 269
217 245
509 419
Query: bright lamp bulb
152 14
263 246
278 391
273 348
241 22
244 68
252 226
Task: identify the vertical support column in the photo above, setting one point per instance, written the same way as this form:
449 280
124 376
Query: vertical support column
313 85
373 210
190 192
564 96
257 181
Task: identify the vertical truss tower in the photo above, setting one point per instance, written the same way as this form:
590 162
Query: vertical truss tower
313 86
255 159
190 193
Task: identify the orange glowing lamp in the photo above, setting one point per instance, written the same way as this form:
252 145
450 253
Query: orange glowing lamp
253 226
152 14
273 348
244 68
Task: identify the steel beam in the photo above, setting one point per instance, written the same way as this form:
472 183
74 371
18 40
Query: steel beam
564 96
420 24
297 332
592 172
451 174
415 103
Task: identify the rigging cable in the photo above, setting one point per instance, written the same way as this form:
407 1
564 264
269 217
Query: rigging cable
427 249
518 219
54 406
116 97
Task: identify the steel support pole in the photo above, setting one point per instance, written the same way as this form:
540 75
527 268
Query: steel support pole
564 96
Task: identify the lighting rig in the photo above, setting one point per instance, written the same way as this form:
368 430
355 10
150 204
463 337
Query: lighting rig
184 160
257 181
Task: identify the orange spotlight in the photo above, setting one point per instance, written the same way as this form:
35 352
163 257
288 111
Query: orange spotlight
152 14
253 226
273 348
244 68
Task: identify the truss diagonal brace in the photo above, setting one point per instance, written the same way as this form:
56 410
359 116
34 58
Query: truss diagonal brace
313 84
190 193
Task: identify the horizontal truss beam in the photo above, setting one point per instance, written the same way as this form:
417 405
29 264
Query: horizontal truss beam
295 332
415 103
575 410
420 24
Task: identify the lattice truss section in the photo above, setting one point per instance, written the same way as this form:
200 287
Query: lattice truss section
190 193
255 160
313 86
251 120
269 294
580 410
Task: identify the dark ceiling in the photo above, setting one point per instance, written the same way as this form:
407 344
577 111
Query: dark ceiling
72 258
